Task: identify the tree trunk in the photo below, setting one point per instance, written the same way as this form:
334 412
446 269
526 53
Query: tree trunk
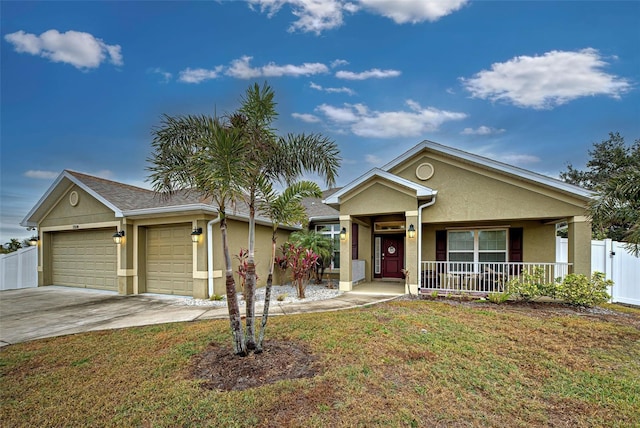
250 284
267 294
235 320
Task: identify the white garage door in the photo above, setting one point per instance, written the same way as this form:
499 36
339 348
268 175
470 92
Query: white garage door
169 260
84 259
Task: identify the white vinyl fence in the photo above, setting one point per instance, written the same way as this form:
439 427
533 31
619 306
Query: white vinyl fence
19 269
618 265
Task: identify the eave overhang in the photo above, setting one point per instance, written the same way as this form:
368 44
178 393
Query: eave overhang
421 192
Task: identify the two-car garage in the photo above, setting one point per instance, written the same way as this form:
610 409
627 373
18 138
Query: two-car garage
88 259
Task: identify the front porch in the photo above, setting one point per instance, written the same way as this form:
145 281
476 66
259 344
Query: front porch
483 278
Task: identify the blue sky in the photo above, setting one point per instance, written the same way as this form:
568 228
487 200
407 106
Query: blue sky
533 84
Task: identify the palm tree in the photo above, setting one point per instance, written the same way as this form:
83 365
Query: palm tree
200 153
319 244
274 159
284 208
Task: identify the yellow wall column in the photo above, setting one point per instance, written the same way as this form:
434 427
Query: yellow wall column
411 253
200 282
346 282
125 260
579 235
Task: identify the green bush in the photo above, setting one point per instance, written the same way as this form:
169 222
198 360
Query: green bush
529 286
498 298
579 290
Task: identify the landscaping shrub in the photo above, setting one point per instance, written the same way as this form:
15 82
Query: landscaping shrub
581 291
498 298
529 286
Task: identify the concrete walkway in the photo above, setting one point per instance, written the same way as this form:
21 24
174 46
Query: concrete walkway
36 313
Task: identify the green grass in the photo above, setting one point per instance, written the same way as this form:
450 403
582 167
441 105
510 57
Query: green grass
404 363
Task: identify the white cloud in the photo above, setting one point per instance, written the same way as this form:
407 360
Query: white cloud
343 89
339 63
241 69
82 50
374 73
501 155
306 69
313 16
372 159
198 75
413 11
359 120
518 159
306 117
547 81
316 16
165 75
482 130
41 175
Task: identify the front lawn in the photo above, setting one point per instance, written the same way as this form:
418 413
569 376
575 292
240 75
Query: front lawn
403 363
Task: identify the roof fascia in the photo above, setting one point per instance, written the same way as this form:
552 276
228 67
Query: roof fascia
490 163
421 191
263 221
27 222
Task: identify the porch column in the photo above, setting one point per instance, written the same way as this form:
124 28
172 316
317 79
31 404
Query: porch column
579 235
411 253
346 281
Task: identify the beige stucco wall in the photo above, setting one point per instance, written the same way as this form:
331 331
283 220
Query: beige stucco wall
238 235
87 210
378 197
538 242
471 193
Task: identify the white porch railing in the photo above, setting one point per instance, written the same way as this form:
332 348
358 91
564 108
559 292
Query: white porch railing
484 278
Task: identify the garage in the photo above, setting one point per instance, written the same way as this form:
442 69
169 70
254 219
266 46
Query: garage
170 260
84 259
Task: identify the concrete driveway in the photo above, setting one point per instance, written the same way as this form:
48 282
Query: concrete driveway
35 313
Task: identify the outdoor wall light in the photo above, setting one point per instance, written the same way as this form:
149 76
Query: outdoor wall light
411 233
33 241
117 237
343 234
195 235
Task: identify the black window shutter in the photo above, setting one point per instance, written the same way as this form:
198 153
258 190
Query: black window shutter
515 244
441 245
354 241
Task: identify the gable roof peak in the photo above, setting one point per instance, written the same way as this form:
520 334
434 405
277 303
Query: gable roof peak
486 162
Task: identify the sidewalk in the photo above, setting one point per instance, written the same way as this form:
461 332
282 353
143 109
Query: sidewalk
36 313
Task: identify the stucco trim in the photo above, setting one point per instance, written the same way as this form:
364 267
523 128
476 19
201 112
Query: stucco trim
489 163
420 191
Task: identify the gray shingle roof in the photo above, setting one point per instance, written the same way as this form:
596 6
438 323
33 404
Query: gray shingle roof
127 197
316 208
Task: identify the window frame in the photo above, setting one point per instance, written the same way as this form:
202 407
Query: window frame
334 235
476 248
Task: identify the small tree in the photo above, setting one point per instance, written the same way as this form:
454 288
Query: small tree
301 261
319 244
284 208
613 172
202 154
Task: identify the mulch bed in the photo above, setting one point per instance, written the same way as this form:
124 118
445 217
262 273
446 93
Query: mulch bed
219 368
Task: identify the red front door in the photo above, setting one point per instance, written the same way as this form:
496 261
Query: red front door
392 256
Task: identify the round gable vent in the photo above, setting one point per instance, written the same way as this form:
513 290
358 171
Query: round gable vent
73 198
424 171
